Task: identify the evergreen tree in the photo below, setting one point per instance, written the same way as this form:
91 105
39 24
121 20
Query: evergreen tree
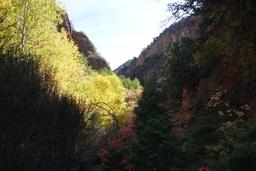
178 70
154 147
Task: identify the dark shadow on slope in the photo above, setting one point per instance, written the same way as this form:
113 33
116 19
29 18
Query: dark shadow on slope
38 129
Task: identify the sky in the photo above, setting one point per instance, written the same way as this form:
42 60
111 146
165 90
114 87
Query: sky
119 29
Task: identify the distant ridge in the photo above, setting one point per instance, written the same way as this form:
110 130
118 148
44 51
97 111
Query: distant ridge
85 46
148 64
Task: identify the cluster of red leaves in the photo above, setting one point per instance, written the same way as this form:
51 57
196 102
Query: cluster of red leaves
204 168
125 134
116 143
121 141
186 101
103 154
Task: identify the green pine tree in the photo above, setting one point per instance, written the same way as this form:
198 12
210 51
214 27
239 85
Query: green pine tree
154 148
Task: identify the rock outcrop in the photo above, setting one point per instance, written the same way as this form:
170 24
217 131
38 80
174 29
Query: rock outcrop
148 64
85 46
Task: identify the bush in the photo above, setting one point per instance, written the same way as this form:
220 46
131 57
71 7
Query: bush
38 129
129 83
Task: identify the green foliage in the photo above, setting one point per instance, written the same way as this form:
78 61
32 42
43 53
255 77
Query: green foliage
179 71
227 31
130 84
154 147
222 136
239 146
220 133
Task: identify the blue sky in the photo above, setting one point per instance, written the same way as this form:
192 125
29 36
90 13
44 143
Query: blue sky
119 29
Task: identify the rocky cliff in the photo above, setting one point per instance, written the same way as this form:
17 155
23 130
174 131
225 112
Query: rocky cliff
148 64
85 46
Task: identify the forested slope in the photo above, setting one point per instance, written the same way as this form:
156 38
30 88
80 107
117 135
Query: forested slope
55 109
199 112
148 64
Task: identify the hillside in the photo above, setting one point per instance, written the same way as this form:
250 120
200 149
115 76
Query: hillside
201 114
55 109
148 64
85 46
196 110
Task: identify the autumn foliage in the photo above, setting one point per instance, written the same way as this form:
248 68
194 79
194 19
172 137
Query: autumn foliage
119 151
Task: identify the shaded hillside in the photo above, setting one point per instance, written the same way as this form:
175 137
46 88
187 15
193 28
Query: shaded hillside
147 65
54 109
85 45
201 114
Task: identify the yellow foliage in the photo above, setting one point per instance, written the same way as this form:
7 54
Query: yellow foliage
106 90
56 52
3 2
